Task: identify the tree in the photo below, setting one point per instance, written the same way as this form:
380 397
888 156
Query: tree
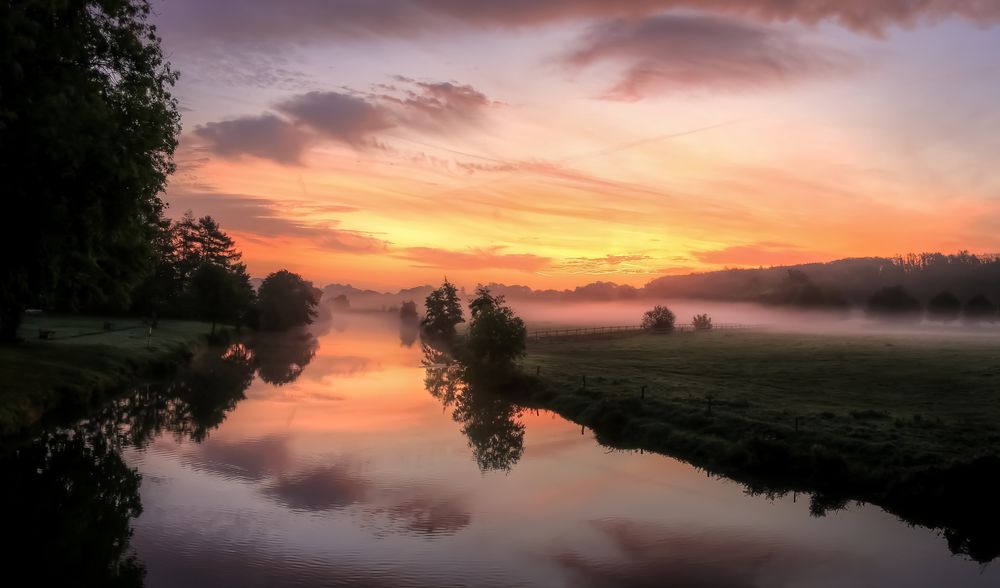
219 294
702 322
979 308
88 129
341 303
444 312
659 318
285 301
496 337
894 303
944 307
408 311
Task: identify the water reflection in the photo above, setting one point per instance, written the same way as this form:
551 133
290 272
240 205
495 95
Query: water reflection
489 421
70 493
281 358
69 502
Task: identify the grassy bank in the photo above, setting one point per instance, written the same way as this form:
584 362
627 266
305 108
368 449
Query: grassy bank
904 422
82 363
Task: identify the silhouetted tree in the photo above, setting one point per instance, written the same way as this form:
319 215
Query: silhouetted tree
496 335
408 324
219 294
88 129
894 303
658 318
978 309
341 303
944 307
702 322
408 311
285 301
444 312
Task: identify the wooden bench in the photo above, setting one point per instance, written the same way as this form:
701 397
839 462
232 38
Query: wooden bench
46 334
109 326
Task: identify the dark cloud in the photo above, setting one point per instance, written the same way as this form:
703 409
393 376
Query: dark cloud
341 117
682 52
262 22
266 136
489 257
277 218
345 117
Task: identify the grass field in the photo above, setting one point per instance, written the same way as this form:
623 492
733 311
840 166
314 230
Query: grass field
82 362
894 420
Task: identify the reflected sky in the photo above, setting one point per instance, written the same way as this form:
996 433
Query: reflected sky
363 477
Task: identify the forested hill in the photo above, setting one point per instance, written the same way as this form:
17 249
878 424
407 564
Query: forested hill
836 283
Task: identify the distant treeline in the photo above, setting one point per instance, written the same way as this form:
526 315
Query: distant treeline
836 284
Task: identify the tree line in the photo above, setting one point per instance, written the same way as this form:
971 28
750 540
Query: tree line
895 303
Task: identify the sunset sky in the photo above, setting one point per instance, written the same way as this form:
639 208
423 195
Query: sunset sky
386 143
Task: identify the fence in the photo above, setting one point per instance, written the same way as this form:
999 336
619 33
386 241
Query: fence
555 334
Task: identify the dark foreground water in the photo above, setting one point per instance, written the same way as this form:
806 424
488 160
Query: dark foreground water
329 462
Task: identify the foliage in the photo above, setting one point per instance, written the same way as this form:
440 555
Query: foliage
702 322
87 132
285 301
497 337
895 304
979 308
658 318
944 307
444 312
219 294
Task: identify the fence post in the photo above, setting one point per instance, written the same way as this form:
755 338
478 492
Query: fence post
584 381
643 393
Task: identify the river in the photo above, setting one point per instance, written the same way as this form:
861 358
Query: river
328 462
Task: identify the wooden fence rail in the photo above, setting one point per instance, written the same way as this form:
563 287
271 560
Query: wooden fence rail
623 329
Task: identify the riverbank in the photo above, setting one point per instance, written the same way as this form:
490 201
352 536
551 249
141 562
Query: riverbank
903 422
83 362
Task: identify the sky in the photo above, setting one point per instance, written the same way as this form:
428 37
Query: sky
552 143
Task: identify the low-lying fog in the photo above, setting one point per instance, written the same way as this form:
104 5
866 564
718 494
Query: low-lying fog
553 315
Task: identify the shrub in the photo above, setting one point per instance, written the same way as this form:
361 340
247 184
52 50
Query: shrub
659 318
702 322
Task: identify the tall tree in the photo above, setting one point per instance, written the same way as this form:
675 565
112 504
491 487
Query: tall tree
286 301
444 312
88 129
219 295
497 337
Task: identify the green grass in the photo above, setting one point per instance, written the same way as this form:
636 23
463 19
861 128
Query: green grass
904 422
83 363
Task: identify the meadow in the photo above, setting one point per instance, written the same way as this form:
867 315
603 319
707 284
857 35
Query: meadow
82 362
910 423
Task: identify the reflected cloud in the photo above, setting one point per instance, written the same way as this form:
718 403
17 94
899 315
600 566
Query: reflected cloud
326 488
654 556
254 459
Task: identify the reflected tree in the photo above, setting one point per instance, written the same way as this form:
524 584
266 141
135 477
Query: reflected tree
70 499
281 358
489 421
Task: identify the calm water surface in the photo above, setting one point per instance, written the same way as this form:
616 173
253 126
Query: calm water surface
353 473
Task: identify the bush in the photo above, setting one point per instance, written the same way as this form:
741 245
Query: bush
496 337
702 322
659 318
